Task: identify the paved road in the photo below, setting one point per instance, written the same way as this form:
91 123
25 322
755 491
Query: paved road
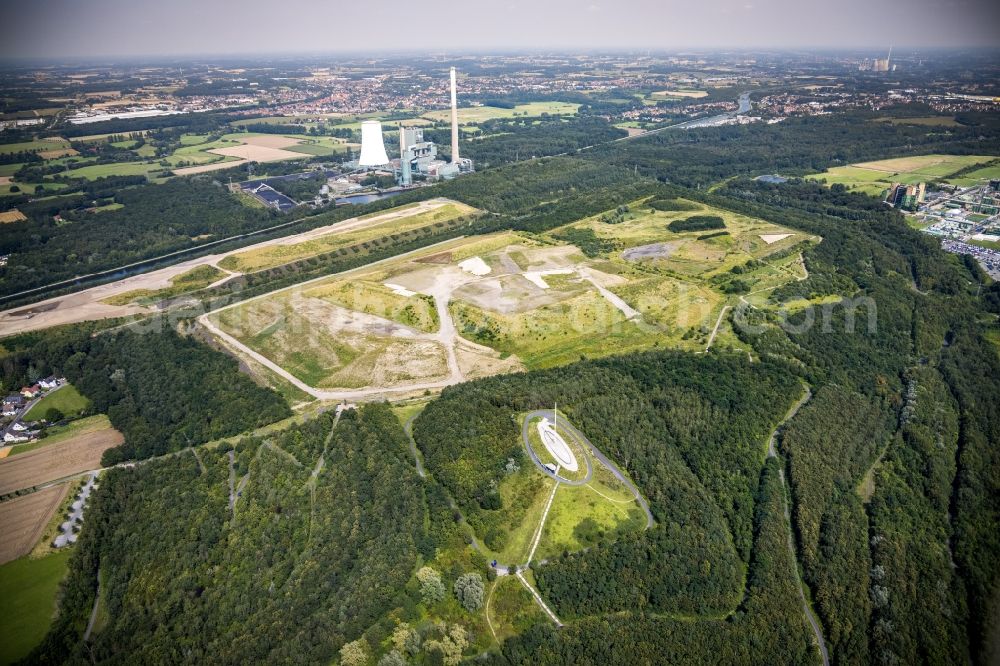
597 453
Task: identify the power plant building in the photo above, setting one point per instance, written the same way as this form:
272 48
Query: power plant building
372 146
419 157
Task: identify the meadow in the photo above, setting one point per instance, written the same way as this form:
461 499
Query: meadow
65 399
28 602
875 177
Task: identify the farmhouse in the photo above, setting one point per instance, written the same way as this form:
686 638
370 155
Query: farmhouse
31 391
14 437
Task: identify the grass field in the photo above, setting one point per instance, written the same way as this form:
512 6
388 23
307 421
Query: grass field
277 255
66 399
30 188
680 93
197 278
585 325
478 114
685 254
35 146
150 170
27 602
372 297
874 177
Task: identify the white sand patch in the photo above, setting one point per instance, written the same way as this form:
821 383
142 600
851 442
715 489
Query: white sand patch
399 290
475 265
538 277
773 238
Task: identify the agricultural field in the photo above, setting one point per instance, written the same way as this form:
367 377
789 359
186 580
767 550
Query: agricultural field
56 434
394 221
66 399
56 461
478 114
36 146
874 177
28 590
23 520
929 121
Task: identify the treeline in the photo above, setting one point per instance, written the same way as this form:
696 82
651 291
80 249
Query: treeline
697 223
298 566
164 392
156 219
827 458
507 140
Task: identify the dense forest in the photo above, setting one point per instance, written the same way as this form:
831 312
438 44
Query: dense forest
690 430
316 547
163 391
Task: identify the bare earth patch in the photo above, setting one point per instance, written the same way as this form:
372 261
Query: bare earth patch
57 461
773 238
11 215
23 520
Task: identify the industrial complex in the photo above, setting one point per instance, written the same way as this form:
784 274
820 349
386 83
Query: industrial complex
417 157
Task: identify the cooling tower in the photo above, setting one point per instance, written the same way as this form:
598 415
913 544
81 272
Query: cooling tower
372 147
454 120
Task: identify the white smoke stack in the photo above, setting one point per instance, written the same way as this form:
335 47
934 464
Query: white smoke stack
454 120
372 147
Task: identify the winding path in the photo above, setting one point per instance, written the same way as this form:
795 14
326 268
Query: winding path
772 453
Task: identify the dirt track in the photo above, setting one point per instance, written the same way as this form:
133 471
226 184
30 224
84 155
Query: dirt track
23 520
56 461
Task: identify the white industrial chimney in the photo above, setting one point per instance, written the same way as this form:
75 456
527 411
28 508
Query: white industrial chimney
372 147
454 120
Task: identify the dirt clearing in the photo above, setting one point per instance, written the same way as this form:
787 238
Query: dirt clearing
56 461
23 520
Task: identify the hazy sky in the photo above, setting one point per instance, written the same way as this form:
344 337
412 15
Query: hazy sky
59 28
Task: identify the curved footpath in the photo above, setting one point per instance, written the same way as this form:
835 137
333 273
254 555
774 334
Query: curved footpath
772 453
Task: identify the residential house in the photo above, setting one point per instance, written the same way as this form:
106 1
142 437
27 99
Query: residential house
52 382
12 404
31 391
